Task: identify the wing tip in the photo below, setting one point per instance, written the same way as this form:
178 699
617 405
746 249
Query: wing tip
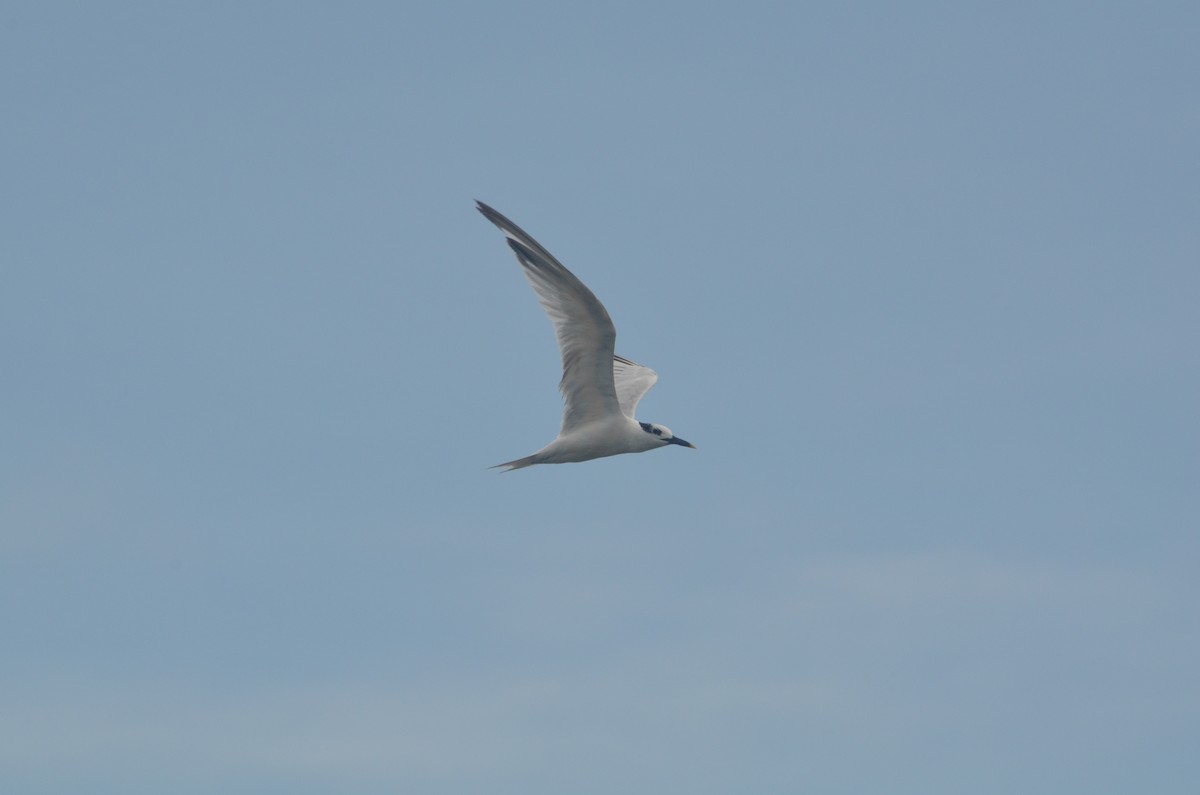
510 230
488 212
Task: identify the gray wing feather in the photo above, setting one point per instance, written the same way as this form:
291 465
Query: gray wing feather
585 332
633 381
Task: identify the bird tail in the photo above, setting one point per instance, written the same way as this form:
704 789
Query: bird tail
520 463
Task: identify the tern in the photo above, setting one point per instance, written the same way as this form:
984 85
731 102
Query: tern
600 389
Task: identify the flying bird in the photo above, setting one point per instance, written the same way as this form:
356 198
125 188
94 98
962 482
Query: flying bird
600 389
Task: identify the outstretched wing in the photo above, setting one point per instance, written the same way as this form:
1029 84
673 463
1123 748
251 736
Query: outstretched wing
585 332
632 381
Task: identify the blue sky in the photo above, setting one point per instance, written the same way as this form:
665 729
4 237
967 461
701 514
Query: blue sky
920 281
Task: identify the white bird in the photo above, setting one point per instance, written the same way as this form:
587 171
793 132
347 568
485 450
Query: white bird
600 389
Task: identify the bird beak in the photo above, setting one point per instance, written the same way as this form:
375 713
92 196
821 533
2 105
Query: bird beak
677 440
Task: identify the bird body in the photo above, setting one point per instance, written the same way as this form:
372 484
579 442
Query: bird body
609 436
600 389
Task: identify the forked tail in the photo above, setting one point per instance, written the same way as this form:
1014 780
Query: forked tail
520 463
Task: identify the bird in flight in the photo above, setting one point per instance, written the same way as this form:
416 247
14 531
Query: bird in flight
600 389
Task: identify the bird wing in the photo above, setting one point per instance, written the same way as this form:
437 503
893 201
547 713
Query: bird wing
633 381
585 332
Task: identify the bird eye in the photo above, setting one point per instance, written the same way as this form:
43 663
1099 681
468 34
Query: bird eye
658 431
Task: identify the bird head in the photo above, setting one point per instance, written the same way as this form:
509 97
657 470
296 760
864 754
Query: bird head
664 435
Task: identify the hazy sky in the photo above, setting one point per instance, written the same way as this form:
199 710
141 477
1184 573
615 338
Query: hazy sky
920 281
